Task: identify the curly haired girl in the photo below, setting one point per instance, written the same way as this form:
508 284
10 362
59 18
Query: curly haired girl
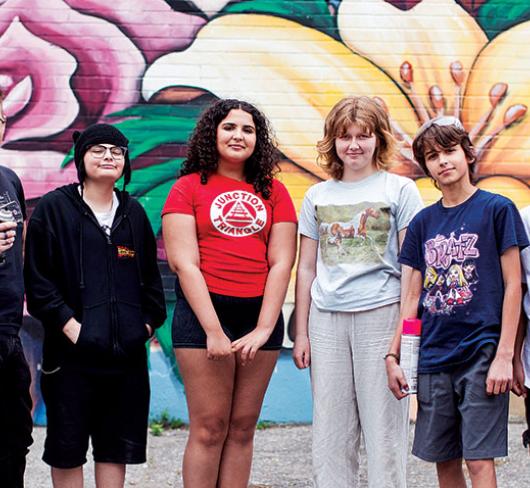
230 234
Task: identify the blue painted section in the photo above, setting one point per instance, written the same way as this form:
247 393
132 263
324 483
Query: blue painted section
167 393
288 398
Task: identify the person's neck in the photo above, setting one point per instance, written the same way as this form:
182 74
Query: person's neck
457 193
234 171
349 176
98 196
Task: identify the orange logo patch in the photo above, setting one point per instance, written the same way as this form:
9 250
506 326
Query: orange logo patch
125 253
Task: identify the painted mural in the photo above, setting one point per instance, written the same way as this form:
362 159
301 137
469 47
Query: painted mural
151 66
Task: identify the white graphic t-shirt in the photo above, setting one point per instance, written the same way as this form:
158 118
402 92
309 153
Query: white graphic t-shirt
357 225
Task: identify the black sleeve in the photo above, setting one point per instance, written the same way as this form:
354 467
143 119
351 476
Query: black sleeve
44 300
153 301
21 198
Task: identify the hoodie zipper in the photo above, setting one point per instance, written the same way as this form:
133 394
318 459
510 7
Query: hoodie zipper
72 191
113 300
110 273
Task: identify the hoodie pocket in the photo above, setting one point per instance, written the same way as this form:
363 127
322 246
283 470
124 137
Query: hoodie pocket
132 332
96 328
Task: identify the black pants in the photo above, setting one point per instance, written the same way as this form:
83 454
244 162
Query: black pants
15 412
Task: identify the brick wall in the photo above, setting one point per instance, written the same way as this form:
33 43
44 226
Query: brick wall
151 66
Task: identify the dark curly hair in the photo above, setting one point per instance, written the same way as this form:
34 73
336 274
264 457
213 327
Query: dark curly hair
202 156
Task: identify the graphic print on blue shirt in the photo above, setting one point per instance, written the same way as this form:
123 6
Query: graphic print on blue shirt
458 251
451 273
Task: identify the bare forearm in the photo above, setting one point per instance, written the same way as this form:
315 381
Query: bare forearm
521 333
406 275
521 329
410 297
304 280
511 309
409 310
405 307
274 295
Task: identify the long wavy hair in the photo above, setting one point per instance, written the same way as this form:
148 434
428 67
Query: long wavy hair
202 155
372 118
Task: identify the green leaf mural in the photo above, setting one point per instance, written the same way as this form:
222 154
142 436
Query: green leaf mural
312 13
148 126
154 199
497 16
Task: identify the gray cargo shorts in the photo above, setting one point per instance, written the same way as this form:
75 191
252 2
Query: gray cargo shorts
456 418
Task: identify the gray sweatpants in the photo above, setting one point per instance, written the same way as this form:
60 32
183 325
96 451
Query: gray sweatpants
351 397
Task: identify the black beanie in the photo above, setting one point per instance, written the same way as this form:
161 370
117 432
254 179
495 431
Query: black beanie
99 134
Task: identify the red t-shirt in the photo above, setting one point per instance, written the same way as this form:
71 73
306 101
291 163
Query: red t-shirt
233 227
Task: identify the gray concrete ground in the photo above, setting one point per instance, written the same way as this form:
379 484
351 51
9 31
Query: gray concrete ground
281 459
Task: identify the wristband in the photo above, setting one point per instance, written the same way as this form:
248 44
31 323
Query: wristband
392 355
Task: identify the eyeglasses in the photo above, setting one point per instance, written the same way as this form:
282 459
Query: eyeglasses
442 121
117 152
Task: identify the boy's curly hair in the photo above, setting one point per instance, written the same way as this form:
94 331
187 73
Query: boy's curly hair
202 155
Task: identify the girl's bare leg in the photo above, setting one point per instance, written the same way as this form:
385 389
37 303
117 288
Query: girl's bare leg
250 385
209 387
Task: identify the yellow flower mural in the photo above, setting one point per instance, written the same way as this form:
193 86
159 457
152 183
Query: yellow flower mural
419 63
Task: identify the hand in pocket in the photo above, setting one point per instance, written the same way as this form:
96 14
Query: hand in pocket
72 329
149 330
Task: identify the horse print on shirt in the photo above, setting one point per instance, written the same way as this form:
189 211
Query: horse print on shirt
353 233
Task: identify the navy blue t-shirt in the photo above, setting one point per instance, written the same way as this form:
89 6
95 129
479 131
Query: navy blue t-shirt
457 250
11 275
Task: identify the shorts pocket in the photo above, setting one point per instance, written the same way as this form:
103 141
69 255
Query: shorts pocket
424 389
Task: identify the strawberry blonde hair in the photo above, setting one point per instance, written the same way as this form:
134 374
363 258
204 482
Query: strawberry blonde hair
370 117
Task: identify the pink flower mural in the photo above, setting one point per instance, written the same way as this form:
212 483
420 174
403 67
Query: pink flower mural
67 64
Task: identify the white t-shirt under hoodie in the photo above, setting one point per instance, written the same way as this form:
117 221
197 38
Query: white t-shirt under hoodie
105 219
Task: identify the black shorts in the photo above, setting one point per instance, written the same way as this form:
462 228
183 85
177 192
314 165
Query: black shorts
15 411
238 316
110 407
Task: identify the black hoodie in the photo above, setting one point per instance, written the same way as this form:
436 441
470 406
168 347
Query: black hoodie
111 285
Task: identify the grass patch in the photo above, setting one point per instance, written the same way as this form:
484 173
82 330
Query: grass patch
164 422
